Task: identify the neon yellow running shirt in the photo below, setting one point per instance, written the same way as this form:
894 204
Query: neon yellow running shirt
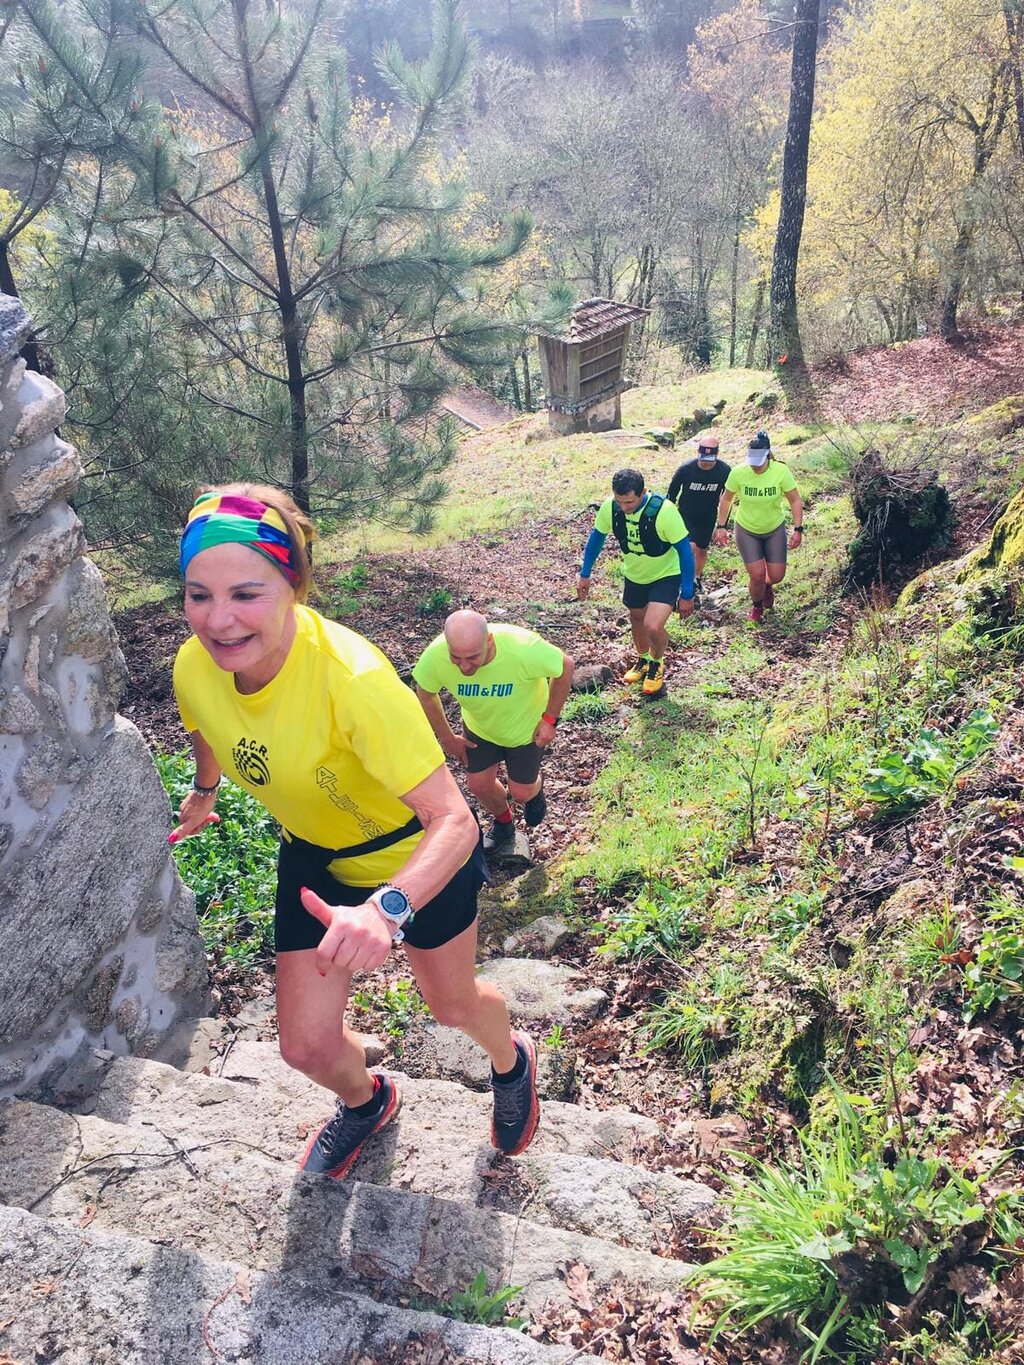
503 700
640 567
761 504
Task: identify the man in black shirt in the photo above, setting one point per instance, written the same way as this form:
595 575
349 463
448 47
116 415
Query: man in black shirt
695 489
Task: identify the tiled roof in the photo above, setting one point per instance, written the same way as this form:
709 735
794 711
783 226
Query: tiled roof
594 317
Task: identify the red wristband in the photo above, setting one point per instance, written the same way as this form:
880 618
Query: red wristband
551 720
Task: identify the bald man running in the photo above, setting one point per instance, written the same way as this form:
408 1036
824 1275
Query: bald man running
511 686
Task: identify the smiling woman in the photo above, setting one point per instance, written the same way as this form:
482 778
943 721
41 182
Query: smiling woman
378 844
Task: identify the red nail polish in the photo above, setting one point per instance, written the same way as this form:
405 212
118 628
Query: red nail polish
172 838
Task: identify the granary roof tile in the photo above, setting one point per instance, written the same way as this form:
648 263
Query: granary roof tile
594 317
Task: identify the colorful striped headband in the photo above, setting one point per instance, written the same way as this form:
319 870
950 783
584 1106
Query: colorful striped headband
226 519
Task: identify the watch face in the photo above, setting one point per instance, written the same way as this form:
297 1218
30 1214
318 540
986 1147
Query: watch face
393 902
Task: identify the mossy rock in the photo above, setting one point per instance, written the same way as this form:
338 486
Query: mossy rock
698 420
662 436
1006 544
998 419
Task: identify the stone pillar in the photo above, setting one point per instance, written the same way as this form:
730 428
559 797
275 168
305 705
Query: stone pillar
99 945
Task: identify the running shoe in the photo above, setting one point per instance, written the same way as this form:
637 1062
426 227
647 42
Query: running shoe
500 837
655 680
769 597
756 613
335 1149
516 1107
637 671
535 809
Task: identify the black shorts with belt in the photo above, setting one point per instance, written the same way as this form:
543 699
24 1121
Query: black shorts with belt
301 864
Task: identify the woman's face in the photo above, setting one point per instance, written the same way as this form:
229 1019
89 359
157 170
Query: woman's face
242 610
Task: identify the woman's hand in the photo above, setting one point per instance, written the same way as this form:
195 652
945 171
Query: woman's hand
796 539
195 814
357 939
720 537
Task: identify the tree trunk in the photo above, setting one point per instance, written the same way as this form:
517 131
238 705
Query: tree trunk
755 323
513 375
527 392
784 331
733 285
1012 12
986 138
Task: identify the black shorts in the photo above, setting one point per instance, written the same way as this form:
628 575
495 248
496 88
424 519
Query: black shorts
522 761
661 590
299 864
701 536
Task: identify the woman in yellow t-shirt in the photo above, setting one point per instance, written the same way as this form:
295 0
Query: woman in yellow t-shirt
761 488
378 844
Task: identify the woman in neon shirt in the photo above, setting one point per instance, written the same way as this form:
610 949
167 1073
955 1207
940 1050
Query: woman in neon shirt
761 487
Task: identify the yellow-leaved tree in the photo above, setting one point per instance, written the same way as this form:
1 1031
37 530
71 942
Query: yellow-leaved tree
911 122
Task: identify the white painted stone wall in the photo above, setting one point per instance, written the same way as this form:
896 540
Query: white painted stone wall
99 945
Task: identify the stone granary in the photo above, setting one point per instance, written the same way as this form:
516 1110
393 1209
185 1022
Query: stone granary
99 945
583 370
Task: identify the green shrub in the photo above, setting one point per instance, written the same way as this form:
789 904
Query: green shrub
231 867
435 603
841 1214
651 927
995 974
931 764
476 1304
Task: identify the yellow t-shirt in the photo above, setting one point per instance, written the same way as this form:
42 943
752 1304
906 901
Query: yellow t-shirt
328 746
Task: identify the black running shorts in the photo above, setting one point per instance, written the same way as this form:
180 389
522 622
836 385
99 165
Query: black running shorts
661 590
451 911
522 761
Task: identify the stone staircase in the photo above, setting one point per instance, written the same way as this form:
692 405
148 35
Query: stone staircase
161 1218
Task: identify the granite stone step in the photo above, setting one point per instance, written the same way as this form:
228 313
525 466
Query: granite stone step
222 1200
85 1296
440 1142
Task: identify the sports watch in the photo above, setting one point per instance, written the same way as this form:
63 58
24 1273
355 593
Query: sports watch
394 906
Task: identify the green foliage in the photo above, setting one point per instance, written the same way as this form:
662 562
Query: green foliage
697 1020
477 1304
653 925
841 1213
589 708
231 867
346 589
929 767
435 603
399 1004
998 966
555 1038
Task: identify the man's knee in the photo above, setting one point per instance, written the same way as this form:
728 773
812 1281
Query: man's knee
522 791
480 784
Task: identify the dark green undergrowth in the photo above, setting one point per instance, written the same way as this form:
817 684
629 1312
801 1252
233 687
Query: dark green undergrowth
231 867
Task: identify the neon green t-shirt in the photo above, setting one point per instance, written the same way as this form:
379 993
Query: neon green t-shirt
503 700
640 567
761 504
328 746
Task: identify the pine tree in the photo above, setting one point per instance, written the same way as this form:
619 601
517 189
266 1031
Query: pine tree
306 244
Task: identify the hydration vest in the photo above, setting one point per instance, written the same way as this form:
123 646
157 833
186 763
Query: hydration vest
652 543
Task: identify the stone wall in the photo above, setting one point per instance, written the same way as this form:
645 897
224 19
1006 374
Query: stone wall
99 945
